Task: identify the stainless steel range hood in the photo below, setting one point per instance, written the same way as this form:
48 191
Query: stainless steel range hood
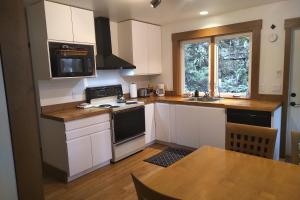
105 59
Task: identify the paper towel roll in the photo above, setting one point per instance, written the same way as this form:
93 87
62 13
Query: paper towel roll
133 90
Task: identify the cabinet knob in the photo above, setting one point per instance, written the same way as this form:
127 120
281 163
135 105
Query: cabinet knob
293 94
292 103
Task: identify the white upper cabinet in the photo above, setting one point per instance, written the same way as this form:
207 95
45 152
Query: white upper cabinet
154 49
63 23
83 25
140 44
58 21
139 47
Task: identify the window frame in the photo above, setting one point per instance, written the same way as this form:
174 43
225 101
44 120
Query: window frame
182 43
251 26
216 71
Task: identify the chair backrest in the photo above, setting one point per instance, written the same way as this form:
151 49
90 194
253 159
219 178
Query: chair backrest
254 140
296 147
146 193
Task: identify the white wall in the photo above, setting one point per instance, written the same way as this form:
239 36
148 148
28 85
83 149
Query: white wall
8 188
272 54
68 90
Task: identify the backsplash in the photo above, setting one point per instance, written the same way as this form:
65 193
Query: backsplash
70 90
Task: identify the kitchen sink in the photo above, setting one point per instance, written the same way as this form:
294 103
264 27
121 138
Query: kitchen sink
204 99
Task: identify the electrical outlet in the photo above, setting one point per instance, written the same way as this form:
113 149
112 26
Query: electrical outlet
73 94
279 74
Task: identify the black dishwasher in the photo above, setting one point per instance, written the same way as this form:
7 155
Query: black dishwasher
250 117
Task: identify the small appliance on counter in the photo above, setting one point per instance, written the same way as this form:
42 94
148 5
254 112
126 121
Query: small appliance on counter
144 92
133 90
160 91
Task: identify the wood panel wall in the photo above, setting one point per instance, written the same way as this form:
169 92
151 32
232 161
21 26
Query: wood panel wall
21 100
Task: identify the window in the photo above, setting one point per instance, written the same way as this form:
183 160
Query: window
232 65
195 58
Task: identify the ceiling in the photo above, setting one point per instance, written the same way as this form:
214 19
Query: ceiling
167 12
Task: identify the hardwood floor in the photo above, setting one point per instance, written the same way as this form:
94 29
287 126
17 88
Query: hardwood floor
111 182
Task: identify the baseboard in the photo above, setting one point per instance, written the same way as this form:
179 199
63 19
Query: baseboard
49 170
72 178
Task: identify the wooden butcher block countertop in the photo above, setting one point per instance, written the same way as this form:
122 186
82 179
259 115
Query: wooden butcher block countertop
69 112
245 104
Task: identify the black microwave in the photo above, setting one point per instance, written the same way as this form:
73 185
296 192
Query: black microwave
71 60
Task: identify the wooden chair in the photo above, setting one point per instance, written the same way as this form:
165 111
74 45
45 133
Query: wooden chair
146 193
254 140
296 147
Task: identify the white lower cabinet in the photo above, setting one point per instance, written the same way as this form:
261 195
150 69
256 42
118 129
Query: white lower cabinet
192 126
197 126
162 122
187 126
77 147
101 147
150 123
79 155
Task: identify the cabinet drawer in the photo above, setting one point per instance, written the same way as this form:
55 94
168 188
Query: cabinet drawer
87 130
80 123
250 117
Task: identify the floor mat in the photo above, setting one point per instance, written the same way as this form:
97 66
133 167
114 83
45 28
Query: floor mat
168 156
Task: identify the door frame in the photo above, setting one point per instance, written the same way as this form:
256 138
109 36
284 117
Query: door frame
289 25
21 100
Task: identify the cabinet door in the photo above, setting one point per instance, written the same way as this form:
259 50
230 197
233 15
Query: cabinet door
83 25
58 21
212 126
139 47
150 123
162 122
79 155
101 147
154 49
188 128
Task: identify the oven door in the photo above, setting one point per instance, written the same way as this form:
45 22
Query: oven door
128 124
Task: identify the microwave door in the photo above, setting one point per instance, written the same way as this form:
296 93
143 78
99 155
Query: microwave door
71 66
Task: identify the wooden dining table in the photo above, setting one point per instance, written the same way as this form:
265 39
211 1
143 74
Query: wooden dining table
211 173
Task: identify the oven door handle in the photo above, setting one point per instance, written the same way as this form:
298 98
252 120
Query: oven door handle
129 139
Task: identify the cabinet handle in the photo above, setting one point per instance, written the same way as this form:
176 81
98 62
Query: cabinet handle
252 115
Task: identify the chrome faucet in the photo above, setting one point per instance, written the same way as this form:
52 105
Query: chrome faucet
206 94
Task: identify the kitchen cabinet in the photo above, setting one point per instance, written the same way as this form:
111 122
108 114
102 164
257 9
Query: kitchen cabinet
76 147
259 118
154 49
140 44
197 126
162 122
83 25
79 155
53 22
58 22
150 124
101 147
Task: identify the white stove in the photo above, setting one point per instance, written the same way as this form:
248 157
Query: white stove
111 103
127 119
